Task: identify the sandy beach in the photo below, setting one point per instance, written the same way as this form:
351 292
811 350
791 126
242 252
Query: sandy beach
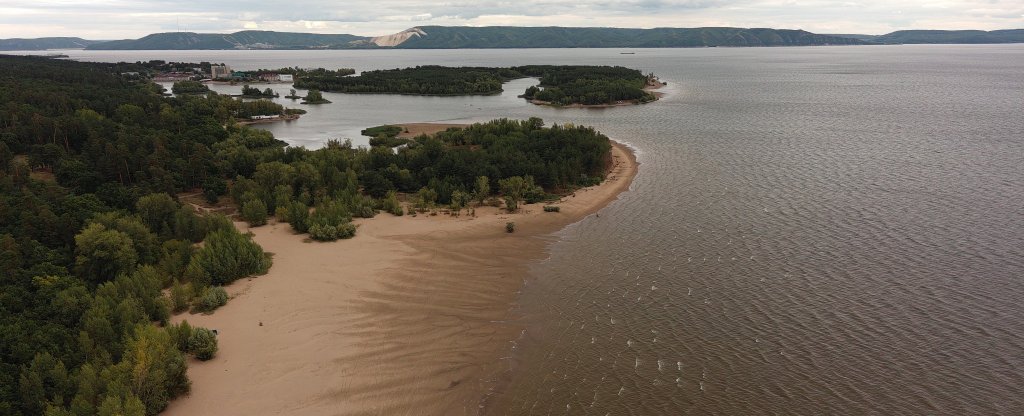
410 317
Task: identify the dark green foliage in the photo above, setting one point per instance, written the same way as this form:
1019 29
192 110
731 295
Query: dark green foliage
202 344
189 87
388 141
101 254
510 227
255 212
552 208
298 216
331 220
226 256
83 259
588 85
157 212
386 130
313 96
420 80
253 92
246 109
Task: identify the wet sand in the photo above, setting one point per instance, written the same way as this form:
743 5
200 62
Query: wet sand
410 317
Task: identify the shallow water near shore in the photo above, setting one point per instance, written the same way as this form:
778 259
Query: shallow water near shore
813 230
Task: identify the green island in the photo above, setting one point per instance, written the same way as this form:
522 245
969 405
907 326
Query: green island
189 87
253 92
386 135
560 85
314 97
112 218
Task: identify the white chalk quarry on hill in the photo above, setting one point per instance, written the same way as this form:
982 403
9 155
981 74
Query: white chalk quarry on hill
398 38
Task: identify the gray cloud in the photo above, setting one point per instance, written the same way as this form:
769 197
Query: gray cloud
108 19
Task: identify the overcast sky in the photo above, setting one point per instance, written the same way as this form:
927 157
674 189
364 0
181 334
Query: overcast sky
117 19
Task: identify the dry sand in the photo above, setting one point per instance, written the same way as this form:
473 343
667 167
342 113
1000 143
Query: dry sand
416 129
410 317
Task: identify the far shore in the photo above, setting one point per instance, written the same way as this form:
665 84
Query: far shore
412 316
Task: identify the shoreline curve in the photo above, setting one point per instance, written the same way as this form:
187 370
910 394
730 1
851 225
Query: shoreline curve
412 316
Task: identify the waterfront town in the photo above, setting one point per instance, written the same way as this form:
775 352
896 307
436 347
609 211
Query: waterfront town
218 73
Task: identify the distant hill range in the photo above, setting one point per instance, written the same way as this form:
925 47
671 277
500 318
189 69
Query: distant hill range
452 37
44 44
943 36
445 37
248 39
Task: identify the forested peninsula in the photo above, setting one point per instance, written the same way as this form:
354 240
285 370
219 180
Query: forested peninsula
559 84
108 187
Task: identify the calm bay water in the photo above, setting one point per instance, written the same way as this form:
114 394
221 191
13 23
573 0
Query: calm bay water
826 230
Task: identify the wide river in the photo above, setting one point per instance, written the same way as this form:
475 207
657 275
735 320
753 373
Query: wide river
817 230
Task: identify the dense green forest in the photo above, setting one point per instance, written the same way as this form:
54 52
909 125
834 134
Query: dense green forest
588 85
559 84
426 80
98 227
90 234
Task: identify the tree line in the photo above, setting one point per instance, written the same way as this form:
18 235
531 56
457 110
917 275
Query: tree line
91 234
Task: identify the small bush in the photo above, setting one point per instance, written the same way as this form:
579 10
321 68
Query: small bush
510 227
255 212
331 232
180 334
281 213
212 298
390 204
552 208
202 344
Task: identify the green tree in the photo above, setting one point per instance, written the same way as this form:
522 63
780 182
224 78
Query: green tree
255 212
298 216
314 97
157 212
101 254
483 189
226 256
513 189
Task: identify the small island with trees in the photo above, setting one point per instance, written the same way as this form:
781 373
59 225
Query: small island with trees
253 92
560 85
315 97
